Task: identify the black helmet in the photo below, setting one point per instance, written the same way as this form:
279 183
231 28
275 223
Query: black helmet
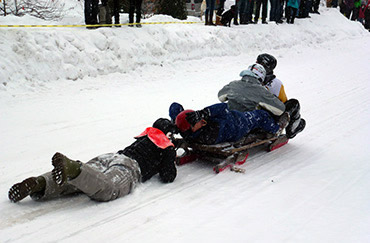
165 126
267 61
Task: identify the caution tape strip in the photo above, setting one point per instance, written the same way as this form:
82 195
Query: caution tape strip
94 25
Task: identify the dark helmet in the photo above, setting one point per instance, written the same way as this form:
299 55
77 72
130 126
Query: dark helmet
182 124
165 126
267 61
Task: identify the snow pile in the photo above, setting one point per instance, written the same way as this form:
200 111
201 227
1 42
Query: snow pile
38 55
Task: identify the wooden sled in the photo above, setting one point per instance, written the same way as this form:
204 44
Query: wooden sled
229 155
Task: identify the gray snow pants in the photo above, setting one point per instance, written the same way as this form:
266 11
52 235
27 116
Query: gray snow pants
103 178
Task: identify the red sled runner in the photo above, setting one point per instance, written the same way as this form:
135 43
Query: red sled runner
229 155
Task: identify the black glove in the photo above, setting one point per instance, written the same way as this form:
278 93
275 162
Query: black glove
196 116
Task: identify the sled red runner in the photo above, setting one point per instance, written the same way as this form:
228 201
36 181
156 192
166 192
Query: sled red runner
229 155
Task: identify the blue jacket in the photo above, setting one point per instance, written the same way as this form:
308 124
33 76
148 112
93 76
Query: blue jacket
226 125
293 3
233 125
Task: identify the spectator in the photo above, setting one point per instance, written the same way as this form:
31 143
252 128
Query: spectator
304 9
356 10
104 13
349 6
264 11
361 14
249 11
315 6
91 12
367 16
135 5
291 11
242 9
236 13
116 9
275 11
209 12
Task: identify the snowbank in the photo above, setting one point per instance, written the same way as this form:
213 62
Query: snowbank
35 56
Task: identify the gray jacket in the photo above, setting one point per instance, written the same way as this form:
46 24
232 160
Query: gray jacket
248 94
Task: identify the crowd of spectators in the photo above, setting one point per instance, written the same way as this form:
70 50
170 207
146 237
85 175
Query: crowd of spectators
281 11
246 11
355 10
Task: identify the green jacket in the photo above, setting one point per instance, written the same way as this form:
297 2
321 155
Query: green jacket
357 4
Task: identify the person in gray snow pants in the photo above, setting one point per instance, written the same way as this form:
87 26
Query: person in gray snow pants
103 178
108 176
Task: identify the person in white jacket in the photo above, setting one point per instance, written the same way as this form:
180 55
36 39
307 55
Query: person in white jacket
276 87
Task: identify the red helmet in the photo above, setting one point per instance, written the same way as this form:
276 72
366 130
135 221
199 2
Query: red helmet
181 121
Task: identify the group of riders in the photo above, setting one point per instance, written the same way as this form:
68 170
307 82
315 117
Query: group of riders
256 102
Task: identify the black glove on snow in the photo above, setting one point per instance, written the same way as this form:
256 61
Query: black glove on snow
196 116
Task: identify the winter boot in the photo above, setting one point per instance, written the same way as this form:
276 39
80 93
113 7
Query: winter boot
25 188
243 19
138 19
64 168
236 19
116 20
210 21
206 18
292 132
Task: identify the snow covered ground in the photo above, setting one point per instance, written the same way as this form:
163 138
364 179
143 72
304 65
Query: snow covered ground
87 92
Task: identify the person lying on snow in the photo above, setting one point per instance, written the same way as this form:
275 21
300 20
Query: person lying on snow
108 176
249 94
276 87
218 124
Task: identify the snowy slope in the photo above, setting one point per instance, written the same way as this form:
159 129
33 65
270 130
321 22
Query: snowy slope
87 92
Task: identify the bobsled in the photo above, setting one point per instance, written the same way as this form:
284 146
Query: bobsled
229 155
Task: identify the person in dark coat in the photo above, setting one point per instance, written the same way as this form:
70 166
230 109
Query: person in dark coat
91 11
108 176
258 9
135 7
367 16
217 124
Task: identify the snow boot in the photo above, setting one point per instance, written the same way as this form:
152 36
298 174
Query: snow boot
291 133
243 19
210 21
25 188
64 168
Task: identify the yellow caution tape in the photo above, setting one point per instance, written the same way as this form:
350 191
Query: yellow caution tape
94 25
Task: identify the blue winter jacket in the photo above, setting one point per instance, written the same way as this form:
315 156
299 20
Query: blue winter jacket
293 3
233 125
226 125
